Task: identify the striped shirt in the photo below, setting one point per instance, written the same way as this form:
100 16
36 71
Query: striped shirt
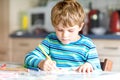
65 55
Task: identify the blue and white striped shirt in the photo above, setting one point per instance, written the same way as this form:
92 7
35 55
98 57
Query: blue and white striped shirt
65 55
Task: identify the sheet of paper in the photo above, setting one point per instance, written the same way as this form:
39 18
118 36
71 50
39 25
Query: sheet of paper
69 75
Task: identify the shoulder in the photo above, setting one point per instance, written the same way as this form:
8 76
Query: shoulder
87 41
85 38
51 36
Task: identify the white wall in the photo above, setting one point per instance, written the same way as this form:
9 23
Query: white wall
16 6
101 3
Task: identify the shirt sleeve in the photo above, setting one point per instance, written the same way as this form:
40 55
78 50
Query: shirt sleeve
93 58
34 57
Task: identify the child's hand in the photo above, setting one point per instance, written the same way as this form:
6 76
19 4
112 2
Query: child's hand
85 68
48 65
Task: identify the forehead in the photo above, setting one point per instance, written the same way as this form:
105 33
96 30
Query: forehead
61 26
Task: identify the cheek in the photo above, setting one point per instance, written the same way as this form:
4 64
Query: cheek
76 32
58 34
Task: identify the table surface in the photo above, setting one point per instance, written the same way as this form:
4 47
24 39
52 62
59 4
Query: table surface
33 75
65 74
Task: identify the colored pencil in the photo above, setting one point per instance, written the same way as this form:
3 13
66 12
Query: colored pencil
43 51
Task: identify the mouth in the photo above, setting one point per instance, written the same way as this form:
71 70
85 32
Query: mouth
65 40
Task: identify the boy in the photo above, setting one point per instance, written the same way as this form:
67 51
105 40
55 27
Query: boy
66 47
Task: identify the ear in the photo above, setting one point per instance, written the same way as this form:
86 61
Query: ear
81 26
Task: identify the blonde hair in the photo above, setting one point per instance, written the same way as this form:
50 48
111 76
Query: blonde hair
68 12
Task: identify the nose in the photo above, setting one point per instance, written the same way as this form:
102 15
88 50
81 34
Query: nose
65 34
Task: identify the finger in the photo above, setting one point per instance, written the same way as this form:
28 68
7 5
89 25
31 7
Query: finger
47 65
49 68
46 68
54 67
54 62
84 70
91 70
79 69
88 70
51 65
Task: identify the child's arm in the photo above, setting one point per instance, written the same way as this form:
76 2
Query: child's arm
93 59
34 57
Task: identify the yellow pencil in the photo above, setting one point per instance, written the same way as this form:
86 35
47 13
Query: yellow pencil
48 57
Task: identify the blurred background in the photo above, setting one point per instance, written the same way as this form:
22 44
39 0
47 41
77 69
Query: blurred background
25 23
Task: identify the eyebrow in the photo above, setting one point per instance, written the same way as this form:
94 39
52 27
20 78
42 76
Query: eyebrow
65 27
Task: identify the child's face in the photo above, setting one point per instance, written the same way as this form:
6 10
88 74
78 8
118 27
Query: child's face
67 34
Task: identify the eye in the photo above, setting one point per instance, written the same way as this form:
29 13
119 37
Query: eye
59 30
71 30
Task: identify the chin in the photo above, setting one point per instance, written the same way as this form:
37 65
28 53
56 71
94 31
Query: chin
65 42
